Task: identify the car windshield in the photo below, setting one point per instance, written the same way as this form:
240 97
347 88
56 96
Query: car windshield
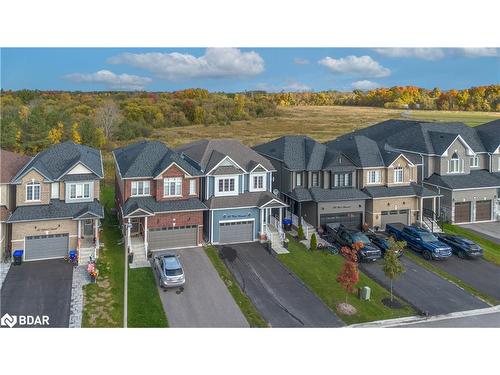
428 237
360 237
175 272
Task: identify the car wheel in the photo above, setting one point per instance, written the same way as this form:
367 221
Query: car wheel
462 254
427 255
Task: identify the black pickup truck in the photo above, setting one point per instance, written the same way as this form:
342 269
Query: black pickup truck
347 237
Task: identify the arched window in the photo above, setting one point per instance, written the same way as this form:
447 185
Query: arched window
454 165
33 192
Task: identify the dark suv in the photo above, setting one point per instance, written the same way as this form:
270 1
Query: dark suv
348 237
461 246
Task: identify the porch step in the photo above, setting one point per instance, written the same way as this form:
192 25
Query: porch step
140 260
84 255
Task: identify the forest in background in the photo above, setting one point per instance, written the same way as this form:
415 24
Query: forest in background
33 120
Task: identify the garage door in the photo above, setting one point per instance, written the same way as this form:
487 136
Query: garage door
395 216
462 212
483 210
46 247
236 231
173 237
349 219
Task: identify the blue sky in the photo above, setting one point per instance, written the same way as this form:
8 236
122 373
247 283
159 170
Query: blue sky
239 69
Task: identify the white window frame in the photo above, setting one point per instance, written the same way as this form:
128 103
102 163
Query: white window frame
226 187
474 161
177 187
192 187
345 178
140 188
253 178
54 190
399 175
455 162
377 177
79 191
32 185
298 179
317 179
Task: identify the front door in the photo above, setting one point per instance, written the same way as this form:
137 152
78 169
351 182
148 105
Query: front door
88 227
136 226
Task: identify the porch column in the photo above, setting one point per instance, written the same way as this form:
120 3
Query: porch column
261 222
146 234
96 232
300 213
434 208
79 231
280 224
421 211
128 233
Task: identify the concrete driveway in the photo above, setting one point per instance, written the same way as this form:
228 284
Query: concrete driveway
490 231
425 290
39 288
204 301
280 297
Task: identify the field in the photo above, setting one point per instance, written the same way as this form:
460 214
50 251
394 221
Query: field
321 123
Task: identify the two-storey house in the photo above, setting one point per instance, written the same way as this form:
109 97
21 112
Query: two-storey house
57 203
156 196
10 164
237 189
318 183
457 162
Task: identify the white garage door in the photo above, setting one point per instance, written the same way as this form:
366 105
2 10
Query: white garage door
396 216
46 247
236 231
173 237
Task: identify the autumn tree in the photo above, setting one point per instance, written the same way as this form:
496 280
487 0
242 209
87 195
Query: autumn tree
108 117
349 273
56 133
75 134
392 266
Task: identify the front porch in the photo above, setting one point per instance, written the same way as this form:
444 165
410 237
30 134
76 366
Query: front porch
136 240
271 222
88 238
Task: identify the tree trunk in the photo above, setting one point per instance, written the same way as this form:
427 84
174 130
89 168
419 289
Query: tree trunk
391 290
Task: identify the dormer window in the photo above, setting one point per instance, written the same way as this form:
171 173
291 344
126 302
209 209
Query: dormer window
455 164
33 192
398 175
315 179
140 188
298 180
474 162
258 182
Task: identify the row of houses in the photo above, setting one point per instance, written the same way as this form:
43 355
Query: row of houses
221 191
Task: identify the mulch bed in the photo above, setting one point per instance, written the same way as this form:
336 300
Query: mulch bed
394 304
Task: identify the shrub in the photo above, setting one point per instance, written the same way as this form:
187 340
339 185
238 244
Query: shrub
314 243
300 233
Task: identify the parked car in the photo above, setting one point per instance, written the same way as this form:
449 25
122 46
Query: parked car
461 246
420 240
381 241
169 271
347 237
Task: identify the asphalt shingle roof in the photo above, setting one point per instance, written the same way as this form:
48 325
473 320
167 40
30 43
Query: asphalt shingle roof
10 165
317 194
148 159
150 204
363 151
399 191
208 153
476 179
490 134
56 209
54 162
256 199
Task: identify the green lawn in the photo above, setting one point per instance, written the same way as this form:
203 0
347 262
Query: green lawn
144 305
491 249
469 118
103 301
319 271
252 315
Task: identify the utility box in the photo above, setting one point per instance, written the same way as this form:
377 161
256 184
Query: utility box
365 293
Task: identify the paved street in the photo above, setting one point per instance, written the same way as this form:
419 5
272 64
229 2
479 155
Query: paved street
425 290
490 231
204 301
39 288
278 295
479 320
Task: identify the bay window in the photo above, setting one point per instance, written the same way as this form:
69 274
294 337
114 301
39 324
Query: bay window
172 187
140 188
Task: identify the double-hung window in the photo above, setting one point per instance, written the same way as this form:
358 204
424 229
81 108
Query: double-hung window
172 187
398 175
226 185
192 187
374 177
79 190
315 179
298 181
33 192
258 182
140 188
474 162
342 179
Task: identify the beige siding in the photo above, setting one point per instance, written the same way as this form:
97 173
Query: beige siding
364 177
458 148
21 189
4 195
40 228
376 206
409 172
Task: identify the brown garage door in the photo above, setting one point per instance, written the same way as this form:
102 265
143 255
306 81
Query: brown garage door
462 212
483 210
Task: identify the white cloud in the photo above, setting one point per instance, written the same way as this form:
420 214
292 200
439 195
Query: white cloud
111 80
215 63
353 65
300 61
479 52
419 53
365 85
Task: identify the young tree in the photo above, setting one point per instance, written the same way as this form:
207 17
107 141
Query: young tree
300 232
392 266
75 134
314 242
56 133
349 273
